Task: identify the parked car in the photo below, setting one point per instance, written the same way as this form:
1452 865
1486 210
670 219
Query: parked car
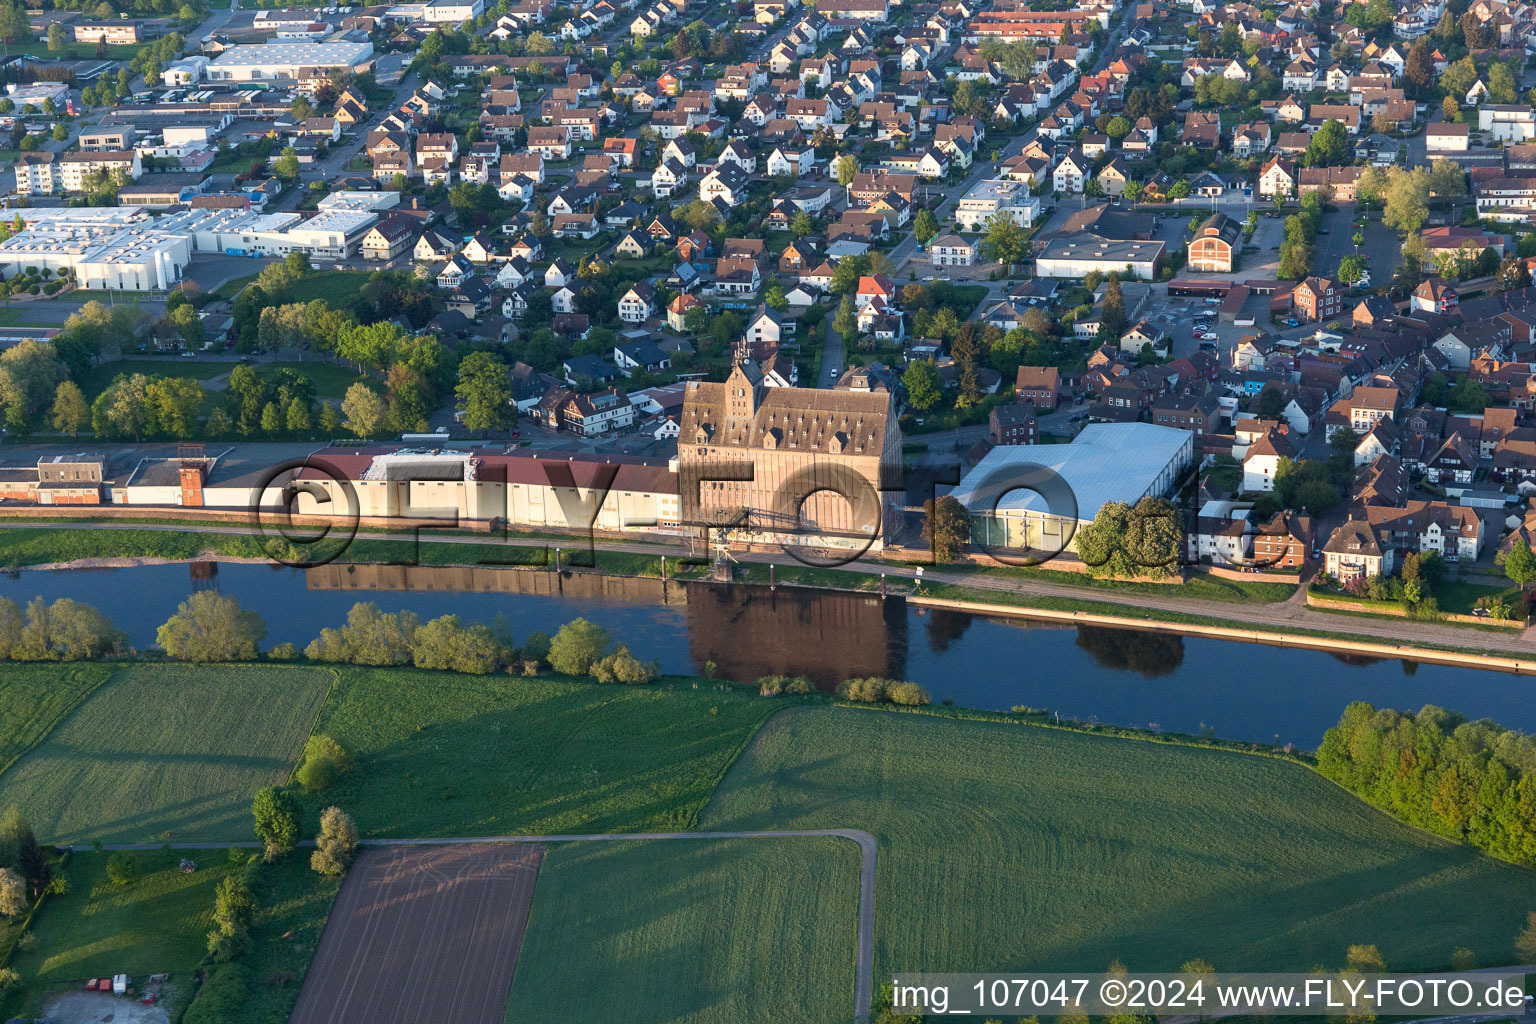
1291 321
1209 336
1209 346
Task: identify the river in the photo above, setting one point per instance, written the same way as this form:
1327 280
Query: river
1128 677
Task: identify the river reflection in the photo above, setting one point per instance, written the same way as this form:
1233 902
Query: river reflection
1130 677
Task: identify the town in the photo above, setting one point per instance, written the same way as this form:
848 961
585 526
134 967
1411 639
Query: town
492 442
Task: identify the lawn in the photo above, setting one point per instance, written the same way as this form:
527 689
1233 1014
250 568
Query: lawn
710 931
157 924
167 752
1459 598
329 379
1199 584
95 380
1005 846
340 288
66 544
441 754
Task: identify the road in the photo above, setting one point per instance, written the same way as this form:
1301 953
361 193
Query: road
864 958
832 358
940 196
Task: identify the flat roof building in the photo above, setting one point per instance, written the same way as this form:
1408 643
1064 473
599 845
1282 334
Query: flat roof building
285 62
1107 462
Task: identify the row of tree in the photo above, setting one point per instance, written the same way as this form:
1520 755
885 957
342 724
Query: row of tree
1474 782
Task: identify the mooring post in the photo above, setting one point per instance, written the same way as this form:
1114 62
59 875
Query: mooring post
771 580
882 584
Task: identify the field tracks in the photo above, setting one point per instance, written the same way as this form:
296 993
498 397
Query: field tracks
864 958
65 712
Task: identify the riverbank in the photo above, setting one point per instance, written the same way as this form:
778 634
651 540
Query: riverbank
1241 610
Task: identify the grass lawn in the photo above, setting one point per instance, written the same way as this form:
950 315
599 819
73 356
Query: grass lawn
16 316
341 288
167 752
229 289
1005 845
441 754
68 543
157 924
1460 598
95 380
709 931
329 379
34 697
1199 584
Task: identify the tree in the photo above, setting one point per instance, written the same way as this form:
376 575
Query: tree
446 644
233 910
921 380
364 410
484 392
1458 78
13 892
70 412
1407 205
925 226
336 843
1525 942
1132 191
1513 274
1118 127
1271 402
1446 179
1352 269
1520 565
845 321
1501 83
271 420
802 224
210 626
846 167
1329 145
296 419
286 166
55 38
30 374
1113 320
946 527
1127 541
1004 240
14 25
1371 187
1450 109
276 821
577 646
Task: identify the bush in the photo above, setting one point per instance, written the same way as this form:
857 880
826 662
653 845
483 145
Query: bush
283 652
122 869
623 667
9 979
907 693
535 649
324 762
221 996
772 686
873 689
445 643
336 844
578 647
370 637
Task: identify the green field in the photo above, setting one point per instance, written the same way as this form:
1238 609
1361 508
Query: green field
441 754
711 931
1006 846
157 924
34 697
95 380
329 379
167 752
340 288
293 903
